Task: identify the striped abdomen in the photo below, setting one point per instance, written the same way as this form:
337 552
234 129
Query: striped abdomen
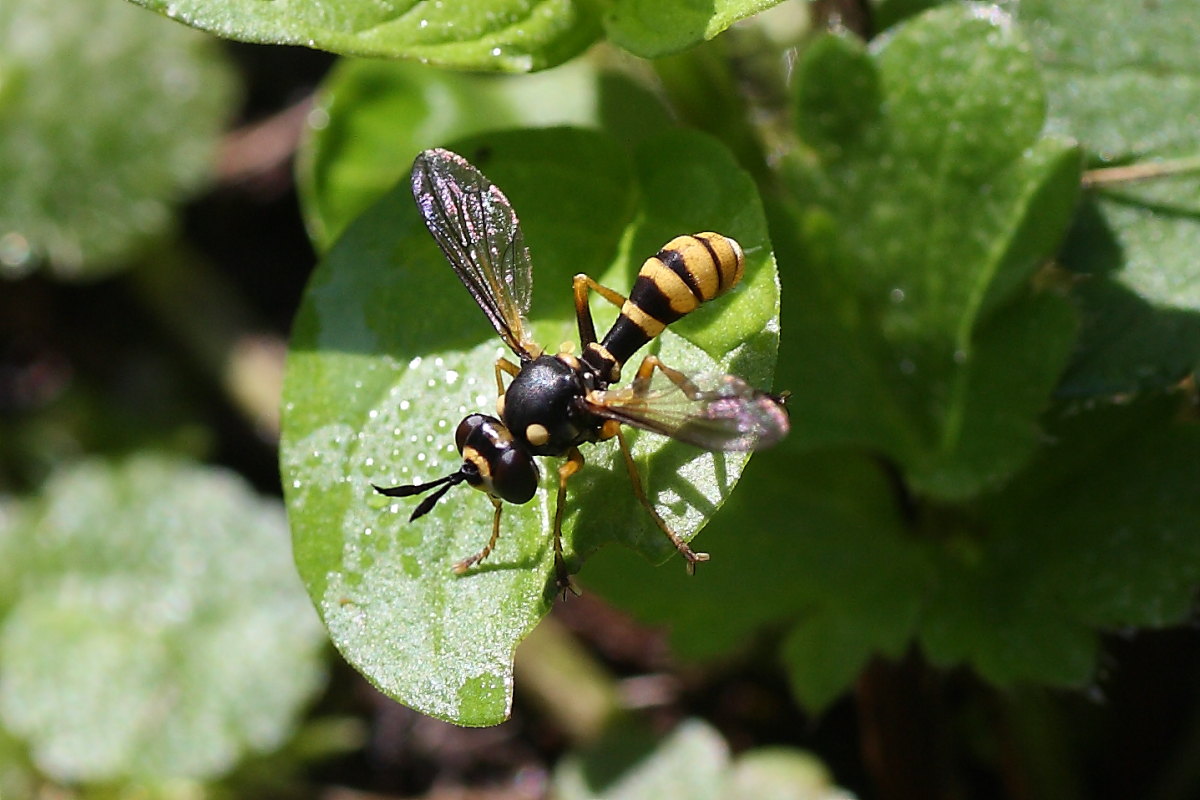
688 271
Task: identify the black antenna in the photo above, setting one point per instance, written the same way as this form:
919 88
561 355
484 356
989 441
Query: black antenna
429 502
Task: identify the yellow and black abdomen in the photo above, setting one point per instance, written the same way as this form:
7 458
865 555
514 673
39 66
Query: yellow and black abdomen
688 271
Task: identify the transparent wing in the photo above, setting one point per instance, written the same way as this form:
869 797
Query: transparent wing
476 227
720 412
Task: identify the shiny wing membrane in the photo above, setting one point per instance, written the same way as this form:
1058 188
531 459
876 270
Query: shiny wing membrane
722 413
476 227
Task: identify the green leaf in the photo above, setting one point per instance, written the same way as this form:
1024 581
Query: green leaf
368 111
102 135
931 199
389 352
1097 533
693 761
1122 85
631 764
780 773
652 28
813 541
492 35
157 629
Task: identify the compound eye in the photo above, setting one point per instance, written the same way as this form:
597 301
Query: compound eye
466 428
514 476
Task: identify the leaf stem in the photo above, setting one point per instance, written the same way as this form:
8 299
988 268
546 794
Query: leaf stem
1130 173
566 682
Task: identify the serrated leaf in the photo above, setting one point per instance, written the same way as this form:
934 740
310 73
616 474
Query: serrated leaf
157 629
368 111
932 200
492 35
389 353
101 135
652 28
1123 85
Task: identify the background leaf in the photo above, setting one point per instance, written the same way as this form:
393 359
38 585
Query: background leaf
1116 84
101 135
652 28
377 380
494 35
368 111
930 203
156 628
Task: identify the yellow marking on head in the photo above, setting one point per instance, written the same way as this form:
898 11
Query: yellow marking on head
649 325
566 348
570 360
481 464
677 292
537 435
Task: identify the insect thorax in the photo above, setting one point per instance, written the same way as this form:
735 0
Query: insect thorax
542 406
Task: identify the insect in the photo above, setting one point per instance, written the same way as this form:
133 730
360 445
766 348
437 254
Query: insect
555 403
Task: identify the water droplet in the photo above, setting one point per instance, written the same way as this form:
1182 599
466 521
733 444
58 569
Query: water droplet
416 362
896 295
16 255
496 51
318 119
404 405
451 376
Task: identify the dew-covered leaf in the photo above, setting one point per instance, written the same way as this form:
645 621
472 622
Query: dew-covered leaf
157 629
102 134
389 353
369 111
932 198
491 35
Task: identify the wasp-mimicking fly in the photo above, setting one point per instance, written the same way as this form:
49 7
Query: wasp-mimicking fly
554 403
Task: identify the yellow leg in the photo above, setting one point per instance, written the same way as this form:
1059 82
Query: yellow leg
470 561
641 381
503 365
583 313
568 468
690 555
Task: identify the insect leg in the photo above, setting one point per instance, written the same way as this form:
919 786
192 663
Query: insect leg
690 555
568 468
470 561
641 381
583 313
503 365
